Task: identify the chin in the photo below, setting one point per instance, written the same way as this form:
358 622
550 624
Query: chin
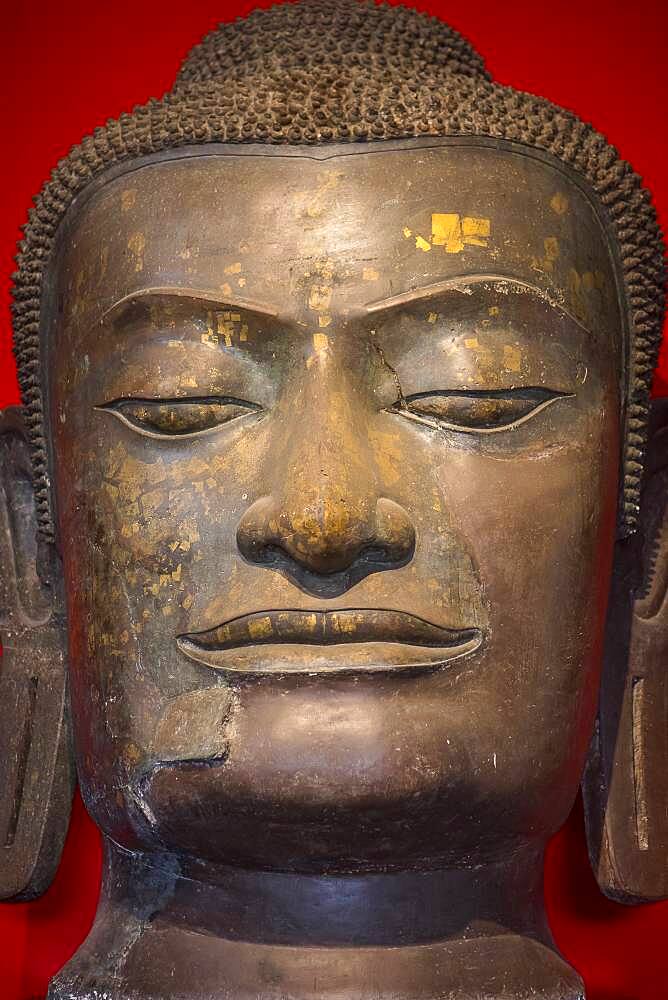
223 813
347 774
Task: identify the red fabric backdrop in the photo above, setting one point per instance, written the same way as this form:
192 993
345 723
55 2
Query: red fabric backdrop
71 65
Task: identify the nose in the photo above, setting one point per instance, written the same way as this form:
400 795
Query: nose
326 524
328 549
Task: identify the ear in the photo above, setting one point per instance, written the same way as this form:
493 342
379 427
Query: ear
36 766
626 780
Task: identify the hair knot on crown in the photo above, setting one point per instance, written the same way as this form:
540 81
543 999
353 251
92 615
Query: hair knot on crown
338 40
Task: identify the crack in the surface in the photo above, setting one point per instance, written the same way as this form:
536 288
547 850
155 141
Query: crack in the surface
393 372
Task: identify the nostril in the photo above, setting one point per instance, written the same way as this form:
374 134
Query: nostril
374 553
378 554
271 555
390 556
323 582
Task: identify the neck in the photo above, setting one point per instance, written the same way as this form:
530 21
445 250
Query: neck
169 931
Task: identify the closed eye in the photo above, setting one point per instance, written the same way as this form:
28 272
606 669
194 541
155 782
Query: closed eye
178 417
476 411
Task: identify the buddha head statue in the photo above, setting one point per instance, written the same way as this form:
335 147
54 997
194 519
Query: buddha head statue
335 457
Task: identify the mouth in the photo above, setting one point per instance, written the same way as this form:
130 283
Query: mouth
325 642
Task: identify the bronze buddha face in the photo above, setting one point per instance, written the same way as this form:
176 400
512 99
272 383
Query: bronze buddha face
336 406
322 469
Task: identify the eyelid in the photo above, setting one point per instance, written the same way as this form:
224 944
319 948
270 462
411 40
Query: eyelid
117 406
545 397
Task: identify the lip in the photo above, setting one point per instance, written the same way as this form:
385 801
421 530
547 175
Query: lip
350 640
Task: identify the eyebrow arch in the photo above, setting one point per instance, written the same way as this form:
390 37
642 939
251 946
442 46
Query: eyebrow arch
431 291
196 296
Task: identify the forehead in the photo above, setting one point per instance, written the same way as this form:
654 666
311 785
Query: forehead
279 228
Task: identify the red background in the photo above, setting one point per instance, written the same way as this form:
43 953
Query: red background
69 66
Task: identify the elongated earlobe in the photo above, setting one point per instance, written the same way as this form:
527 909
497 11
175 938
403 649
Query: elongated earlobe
625 781
36 767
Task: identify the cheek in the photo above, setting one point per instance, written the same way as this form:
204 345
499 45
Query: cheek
161 517
538 516
149 536
541 533
143 555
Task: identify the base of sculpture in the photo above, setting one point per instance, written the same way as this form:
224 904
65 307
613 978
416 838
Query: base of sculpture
261 936
218 970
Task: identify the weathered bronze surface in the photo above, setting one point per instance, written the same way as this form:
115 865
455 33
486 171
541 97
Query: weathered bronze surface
36 766
625 780
335 435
